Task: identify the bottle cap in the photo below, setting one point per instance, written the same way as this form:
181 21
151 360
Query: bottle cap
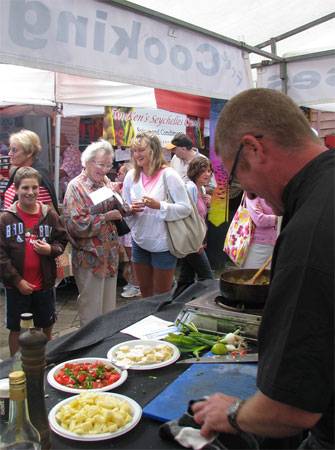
4 388
17 377
26 316
26 320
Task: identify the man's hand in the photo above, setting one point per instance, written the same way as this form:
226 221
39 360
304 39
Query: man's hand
42 248
113 215
25 287
211 414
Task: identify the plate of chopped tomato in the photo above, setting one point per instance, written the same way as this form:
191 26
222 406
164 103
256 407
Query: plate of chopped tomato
86 374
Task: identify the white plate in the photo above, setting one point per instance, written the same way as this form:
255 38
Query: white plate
55 384
58 429
112 352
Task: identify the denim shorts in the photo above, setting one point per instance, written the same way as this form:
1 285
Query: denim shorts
159 260
40 303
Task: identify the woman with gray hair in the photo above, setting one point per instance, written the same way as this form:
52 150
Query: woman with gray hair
93 233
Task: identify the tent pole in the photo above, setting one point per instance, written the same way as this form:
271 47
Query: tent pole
57 147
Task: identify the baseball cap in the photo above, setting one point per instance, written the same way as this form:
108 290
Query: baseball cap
169 146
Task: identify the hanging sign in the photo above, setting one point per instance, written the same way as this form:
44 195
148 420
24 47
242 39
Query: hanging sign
106 41
122 124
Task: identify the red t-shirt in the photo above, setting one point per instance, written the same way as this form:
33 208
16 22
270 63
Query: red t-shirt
32 261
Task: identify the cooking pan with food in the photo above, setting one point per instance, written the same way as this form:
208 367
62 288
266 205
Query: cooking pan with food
234 286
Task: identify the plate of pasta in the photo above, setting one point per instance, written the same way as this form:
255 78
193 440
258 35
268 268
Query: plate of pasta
143 354
86 374
94 416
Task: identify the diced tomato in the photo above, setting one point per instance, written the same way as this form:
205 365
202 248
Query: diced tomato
112 378
82 377
87 375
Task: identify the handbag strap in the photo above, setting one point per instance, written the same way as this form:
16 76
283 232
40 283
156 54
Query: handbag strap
244 199
166 187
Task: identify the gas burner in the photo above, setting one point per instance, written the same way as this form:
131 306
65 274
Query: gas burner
230 305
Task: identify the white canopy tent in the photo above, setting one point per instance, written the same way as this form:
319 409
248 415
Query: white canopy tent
293 30
174 45
262 29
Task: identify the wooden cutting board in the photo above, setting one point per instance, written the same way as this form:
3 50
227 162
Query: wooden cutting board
199 380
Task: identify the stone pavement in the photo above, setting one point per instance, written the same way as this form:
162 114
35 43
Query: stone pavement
66 307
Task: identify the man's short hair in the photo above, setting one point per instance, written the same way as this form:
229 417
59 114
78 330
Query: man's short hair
263 112
26 172
182 140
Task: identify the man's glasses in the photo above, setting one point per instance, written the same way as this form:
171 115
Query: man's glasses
236 160
234 166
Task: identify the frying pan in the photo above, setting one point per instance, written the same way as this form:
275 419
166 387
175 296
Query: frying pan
238 292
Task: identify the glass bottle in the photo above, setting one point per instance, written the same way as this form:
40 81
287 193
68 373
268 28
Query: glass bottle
26 322
19 433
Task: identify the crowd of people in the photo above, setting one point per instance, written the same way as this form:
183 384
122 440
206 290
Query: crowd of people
271 152
92 228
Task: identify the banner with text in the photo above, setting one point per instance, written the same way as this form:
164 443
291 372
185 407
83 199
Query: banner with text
105 41
122 124
310 82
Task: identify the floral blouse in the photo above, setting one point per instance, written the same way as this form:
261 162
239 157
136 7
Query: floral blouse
94 240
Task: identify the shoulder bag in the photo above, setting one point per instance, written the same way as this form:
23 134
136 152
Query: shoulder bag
186 235
239 234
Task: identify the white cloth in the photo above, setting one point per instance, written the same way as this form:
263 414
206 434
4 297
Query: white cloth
148 228
97 295
191 438
257 255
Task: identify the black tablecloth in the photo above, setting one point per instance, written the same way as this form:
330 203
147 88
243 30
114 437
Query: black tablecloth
95 339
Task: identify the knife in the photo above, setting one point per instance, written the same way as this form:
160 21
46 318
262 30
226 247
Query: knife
214 359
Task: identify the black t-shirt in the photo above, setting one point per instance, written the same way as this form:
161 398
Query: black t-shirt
296 337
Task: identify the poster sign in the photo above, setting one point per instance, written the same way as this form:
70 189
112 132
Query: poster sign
122 124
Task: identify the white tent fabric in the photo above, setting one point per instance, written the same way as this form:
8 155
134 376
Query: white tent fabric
256 21
90 91
22 85
253 22
82 96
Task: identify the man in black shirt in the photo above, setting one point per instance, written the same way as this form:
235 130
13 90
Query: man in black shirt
268 146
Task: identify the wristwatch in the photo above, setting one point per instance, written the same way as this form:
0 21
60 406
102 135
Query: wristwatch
232 414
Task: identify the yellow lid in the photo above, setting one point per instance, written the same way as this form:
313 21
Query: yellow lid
17 377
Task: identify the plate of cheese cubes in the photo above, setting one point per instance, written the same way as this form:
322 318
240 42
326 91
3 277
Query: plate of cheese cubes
94 416
141 354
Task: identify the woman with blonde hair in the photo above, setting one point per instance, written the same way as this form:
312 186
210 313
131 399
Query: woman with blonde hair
24 149
144 190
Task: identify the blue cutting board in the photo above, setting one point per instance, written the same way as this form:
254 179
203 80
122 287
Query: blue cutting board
199 380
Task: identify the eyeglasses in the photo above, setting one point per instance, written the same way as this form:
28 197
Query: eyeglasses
107 167
236 160
13 150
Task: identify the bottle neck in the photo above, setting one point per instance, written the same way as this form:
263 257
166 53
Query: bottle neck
18 412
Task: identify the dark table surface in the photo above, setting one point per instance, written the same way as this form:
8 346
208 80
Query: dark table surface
95 339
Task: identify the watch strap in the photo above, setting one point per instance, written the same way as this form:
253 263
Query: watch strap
232 413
